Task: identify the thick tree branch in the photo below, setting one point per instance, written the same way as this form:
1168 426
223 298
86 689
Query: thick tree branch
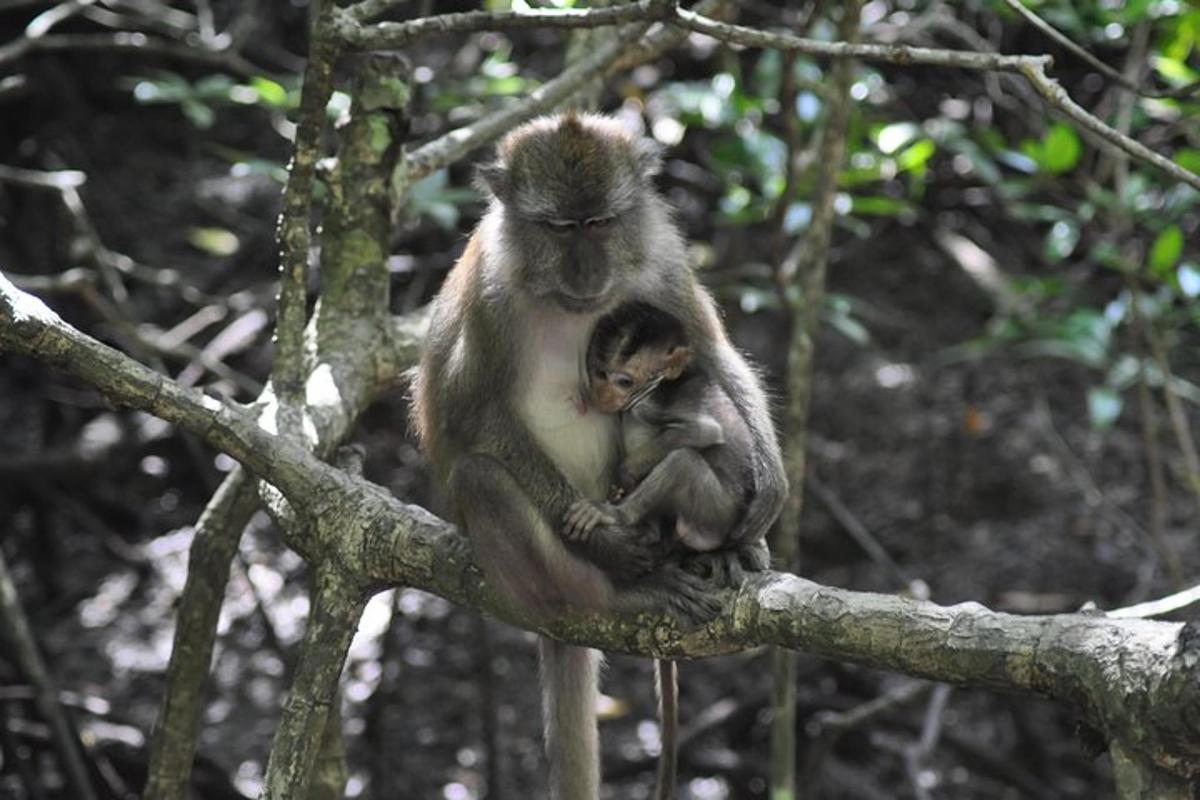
1138 681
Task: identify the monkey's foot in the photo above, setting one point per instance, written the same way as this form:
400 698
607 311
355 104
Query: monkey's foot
584 516
728 568
692 599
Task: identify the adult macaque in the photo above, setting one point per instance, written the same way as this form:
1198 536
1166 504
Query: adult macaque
574 228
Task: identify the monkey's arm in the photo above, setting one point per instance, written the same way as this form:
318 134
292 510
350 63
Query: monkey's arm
624 549
696 431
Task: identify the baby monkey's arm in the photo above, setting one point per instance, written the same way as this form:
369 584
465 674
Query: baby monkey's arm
697 431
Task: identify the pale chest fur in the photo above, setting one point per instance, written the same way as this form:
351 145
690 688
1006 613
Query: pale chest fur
581 443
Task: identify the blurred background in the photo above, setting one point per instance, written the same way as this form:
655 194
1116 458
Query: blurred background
1006 380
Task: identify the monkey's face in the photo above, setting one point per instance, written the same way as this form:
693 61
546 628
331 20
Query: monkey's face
571 189
620 385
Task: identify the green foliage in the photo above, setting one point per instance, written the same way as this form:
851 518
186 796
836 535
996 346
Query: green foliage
1165 252
199 100
1058 150
433 196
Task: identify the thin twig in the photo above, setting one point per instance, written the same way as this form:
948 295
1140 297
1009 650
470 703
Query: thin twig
1057 96
857 530
42 23
832 725
1180 425
808 273
388 35
663 37
1156 608
1082 53
33 667
1033 68
294 234
889 53
128 41
454 145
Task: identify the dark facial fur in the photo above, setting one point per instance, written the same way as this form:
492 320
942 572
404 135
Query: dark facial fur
572 187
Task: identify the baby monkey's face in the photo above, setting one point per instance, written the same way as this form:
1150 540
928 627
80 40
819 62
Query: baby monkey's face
618 385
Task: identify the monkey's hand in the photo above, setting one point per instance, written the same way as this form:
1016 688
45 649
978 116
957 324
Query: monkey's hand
584 516
625 550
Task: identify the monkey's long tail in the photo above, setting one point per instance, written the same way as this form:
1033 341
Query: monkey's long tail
668 717
569 680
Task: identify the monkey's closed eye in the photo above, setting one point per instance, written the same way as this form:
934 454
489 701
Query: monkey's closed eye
561 225
598 222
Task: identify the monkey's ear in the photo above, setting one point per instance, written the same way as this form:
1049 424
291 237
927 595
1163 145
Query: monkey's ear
648 154
677 360
492 178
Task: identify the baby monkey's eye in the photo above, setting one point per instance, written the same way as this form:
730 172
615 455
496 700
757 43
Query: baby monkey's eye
561 225
598 222
623 382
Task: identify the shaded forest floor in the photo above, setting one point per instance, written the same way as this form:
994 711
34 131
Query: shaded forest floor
980 478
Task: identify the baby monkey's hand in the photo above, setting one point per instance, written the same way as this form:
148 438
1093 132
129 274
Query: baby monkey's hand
584 516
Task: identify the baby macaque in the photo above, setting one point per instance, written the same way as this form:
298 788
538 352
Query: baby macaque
686 452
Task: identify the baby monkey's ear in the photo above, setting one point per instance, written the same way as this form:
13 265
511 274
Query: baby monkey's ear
676 362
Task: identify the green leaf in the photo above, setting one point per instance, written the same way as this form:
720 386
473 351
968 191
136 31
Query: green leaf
270 92
914 157
214 241
1165 252
879 205
1175 71
1188 158
1104 406
1061 149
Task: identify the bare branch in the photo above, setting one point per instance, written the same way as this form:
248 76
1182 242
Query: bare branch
294 234
392 35
43 22
1156 608
1094 62
454 145
1054 94
889 53
214 543
663 37
128 41
1032 67
26 657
